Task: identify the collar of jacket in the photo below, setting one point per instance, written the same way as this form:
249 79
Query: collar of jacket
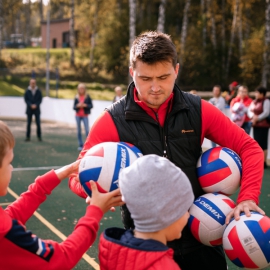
135 112
29 88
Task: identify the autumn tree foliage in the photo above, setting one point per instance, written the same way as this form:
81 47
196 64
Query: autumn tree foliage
218 41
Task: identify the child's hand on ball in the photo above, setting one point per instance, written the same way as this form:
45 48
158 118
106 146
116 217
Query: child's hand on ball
67 170
105 201
88 201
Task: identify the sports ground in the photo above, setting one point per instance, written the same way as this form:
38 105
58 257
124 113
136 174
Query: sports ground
55 218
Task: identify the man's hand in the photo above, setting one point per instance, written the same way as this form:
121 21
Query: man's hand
246 207
105 201
33 106
67 170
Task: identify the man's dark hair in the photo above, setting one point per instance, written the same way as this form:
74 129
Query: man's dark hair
152 47
261 90
219 87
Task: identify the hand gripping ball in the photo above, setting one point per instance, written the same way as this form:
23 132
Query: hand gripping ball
246 242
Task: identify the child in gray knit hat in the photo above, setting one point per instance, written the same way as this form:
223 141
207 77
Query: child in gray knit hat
158 195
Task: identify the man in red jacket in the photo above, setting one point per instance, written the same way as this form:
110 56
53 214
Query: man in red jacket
159 118
19 248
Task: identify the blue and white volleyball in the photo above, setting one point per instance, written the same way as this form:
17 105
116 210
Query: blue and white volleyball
246 242
207 217
219 169
103 163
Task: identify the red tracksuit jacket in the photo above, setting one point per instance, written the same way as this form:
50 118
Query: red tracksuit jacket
120 250
21 249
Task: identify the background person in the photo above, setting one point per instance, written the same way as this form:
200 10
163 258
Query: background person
20 248
193 92
82 106
218 101
168 194
155 116
232 92
258 111
239 107
118 93
33 99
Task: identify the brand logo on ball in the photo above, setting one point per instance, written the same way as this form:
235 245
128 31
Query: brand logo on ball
123 158
209 208
123 165
235 157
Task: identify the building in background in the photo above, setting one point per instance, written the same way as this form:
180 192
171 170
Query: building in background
59 33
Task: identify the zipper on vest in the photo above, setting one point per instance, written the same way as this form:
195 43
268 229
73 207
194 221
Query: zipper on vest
162 136
165 147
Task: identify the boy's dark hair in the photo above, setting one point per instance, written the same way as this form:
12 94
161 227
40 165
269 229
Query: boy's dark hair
261 90
6 140
152 47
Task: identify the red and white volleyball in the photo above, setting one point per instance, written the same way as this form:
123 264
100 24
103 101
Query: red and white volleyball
207 217
246 242
103 163
219 169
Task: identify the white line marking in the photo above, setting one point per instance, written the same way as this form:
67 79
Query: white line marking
5 203
35 168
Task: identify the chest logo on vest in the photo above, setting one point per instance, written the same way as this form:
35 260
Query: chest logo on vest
187 131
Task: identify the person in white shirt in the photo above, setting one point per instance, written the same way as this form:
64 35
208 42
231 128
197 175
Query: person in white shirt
118 93
218 101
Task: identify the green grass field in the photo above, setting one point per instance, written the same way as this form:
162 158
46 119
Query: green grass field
12 86
63 208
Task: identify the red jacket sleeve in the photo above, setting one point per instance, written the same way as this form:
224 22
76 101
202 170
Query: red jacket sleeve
103 130
20 246
219 128
69 252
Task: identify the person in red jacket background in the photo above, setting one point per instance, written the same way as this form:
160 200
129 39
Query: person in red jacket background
168 194
231 93
239 107
258 111
82 105
158 118
19 248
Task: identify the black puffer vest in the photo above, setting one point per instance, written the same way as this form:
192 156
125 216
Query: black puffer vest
179 140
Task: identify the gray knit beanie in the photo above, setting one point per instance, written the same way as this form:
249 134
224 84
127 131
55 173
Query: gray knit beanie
156 192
